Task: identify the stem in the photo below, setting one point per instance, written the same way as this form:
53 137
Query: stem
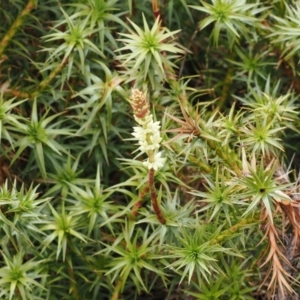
46 82
228 232
204 168
155 9
41 87
18 94
18 294
15 26
115 295
138 204
226 153
73 284
226 88
154 201
74 288
9 36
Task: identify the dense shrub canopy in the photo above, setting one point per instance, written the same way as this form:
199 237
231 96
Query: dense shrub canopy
149 149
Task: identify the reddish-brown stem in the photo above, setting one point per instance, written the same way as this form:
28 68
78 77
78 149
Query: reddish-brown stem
155 9
18 94
135 209
154 201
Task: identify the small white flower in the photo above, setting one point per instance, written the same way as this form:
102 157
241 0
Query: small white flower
138 132
156 139
148 136
145 147
152 127
157 163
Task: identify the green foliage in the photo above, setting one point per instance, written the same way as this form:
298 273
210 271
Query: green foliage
148 61
233 16
134 256
16 275
143 149
285 32
196 255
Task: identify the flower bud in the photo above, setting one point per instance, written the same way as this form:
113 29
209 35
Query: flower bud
139 104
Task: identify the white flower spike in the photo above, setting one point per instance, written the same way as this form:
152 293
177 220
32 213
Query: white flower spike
147 134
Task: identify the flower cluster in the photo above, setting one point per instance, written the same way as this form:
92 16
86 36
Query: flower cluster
147 134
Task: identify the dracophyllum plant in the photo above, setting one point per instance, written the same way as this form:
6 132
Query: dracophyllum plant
231 17
211 214
285 31
149 61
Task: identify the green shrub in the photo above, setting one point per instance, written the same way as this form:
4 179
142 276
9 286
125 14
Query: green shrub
149 149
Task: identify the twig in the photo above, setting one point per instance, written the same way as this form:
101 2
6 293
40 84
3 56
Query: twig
155 9
153 196
135 209
115 295
15 26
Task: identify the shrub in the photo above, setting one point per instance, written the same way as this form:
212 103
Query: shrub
149 149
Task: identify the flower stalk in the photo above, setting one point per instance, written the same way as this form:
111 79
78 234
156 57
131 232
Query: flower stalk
153 196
